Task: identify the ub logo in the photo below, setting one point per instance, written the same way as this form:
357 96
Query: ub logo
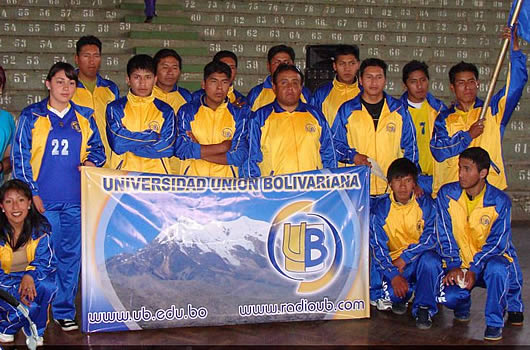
485 220
75 126
298 246
154 126
304 247
310 128
391 127
227 133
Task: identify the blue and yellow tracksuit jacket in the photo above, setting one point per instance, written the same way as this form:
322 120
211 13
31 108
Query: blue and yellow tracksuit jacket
41 260
395 137
329 97
235 97
104 93
210 127
468 241
401 230
262 94
142 133
31 136
176 99
451 136
282 142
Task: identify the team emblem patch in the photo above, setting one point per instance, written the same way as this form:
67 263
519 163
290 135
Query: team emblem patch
485 220
419 226
227 133
310 128
154 126
75 126
391 127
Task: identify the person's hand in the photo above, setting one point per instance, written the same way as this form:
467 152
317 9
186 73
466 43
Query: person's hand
27 290
476 129
191 136
507 34
470 279
418 191
400 286
37 201
86 163
400 264
453 276
361 159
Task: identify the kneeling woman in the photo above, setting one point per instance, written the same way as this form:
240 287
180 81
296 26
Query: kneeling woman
53 137
27 268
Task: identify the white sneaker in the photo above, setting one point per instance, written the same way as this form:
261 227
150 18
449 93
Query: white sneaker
67 324
7 338
382 304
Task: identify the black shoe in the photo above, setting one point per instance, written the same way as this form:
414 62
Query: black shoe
493 333
67 325
399 308
515 318
423 319
148 19
462 316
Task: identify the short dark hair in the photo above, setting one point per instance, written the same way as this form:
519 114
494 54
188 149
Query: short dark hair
273 51
479 156
287 67
68 69
413 66
163 53
87 40
217 67
402 167
3 78
343 50
142 61
462 67
373 62
223 54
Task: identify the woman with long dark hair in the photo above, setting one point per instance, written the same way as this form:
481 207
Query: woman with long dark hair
27 263
53 138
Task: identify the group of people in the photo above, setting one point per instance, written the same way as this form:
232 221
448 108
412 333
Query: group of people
417 148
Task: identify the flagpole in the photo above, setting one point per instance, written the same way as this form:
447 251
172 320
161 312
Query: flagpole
500 61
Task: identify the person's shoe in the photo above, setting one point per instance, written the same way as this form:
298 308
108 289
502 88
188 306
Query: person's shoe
7 338
399 308
382 304
462 316
493 333
39 342
423 319
515 318
67 325
148 19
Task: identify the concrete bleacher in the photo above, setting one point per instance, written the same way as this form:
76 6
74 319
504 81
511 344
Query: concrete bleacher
36 33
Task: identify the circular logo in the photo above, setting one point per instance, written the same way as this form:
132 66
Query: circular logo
310 128
485 220
154 126
419 226
227 133
391 127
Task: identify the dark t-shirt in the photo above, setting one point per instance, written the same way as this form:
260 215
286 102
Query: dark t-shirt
374 109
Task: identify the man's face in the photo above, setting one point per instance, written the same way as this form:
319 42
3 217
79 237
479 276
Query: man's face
403 188
233 67
468 174
141 82
288 87
417 86
216 88
465 87
167 72
279 58
88 61
373 81
346 67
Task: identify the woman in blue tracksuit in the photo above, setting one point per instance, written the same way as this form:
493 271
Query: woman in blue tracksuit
27 264
53 139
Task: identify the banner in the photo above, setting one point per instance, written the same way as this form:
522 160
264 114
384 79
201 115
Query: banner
173 251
